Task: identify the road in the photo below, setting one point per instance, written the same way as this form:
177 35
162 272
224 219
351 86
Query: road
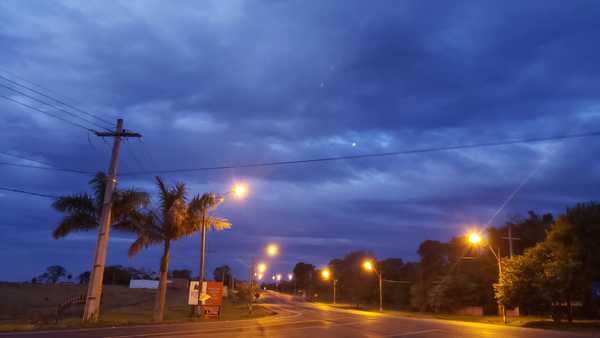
306 320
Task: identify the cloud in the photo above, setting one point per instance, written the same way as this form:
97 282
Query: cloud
220 83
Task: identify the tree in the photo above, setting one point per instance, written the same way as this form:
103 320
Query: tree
173 220
403 276
82 211
84 277
303 275
54 272
560 269
353 281
117 275
183 274
529 231
222 274
546 276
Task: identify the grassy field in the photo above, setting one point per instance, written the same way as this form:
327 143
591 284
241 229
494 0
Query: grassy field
33 306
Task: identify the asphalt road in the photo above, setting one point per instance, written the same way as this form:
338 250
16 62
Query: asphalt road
306 320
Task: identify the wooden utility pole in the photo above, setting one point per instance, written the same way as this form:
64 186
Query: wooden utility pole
510 239
91 311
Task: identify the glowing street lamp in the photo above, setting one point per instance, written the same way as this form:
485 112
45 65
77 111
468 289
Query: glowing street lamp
327 274
272 250
290 276
369 265
239 190
474 238
261 267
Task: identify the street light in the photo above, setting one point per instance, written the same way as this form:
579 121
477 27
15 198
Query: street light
290 276
214 200
239 190
326 274
475 239
369 265
272 250
261 267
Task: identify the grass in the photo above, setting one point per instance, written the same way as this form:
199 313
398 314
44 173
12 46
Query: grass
528 321
33 307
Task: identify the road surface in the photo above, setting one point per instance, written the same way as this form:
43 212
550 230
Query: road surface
306 320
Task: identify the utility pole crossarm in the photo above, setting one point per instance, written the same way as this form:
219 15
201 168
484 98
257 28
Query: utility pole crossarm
124 133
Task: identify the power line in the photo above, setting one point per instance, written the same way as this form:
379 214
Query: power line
371 155
76 171
28 192
52 105
48 113
55 99
133 153
25 158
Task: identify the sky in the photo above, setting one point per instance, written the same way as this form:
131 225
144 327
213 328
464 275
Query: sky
228 82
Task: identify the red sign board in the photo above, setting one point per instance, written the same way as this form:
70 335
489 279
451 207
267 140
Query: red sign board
215 291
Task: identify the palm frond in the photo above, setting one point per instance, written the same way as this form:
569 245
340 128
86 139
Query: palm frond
98 184
127 202
75 222
82 203
218 224
163 192
137 245
148 235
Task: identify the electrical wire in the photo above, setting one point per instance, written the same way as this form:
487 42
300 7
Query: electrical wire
55 99
75 124
25 158
69 170
28 192
371 155
53 106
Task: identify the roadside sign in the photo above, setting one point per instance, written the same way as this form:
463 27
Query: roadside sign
193 293
211 293
215 292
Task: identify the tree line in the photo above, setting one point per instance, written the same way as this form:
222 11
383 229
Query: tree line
553 269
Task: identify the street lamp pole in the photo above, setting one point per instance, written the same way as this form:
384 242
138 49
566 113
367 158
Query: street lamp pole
334 285
239 191
380 291
499 261
370 266
251 288
475 239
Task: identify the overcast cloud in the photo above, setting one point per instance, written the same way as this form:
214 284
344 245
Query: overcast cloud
227 82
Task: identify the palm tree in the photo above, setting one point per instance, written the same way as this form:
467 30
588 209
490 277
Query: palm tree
174 219
82 211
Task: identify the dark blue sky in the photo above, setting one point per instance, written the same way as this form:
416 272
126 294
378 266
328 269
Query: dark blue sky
224 82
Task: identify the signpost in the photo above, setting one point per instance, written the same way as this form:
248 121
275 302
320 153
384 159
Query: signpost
211 298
